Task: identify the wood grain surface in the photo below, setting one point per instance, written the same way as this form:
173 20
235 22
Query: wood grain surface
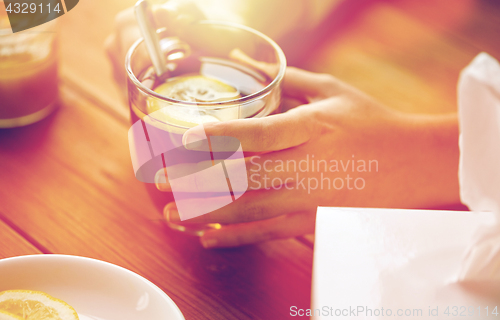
67 182
13 244
67 185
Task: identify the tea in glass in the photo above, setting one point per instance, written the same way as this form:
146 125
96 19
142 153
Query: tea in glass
216 72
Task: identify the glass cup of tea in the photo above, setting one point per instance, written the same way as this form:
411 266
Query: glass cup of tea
28 73
217 71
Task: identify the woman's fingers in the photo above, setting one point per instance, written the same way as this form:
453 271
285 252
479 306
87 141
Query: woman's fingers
276 132
252 206
116 45
309 86
176 15
171 15
269 170
285 226
279 131
272 133
111 47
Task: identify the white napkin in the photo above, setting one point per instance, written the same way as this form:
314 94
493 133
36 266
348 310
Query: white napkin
479 170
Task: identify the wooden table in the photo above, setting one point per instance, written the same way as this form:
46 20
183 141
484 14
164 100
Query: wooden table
67 185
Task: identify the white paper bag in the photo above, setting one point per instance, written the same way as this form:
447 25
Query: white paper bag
479 170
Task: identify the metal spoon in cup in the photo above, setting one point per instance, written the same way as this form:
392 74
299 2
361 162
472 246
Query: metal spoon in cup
145 20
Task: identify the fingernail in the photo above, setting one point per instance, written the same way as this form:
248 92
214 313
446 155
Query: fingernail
193 141
171 215
161 181
208 243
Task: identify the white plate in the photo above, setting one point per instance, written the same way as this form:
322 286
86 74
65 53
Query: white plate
97 290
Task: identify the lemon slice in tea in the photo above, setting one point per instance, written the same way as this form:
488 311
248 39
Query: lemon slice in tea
34 305
197 88
192 88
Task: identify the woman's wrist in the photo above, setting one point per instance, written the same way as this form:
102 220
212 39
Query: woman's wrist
436 156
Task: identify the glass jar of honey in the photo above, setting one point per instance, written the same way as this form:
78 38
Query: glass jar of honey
28 73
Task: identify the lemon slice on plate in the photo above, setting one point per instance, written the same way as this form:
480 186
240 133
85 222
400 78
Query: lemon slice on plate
34 305
8 316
